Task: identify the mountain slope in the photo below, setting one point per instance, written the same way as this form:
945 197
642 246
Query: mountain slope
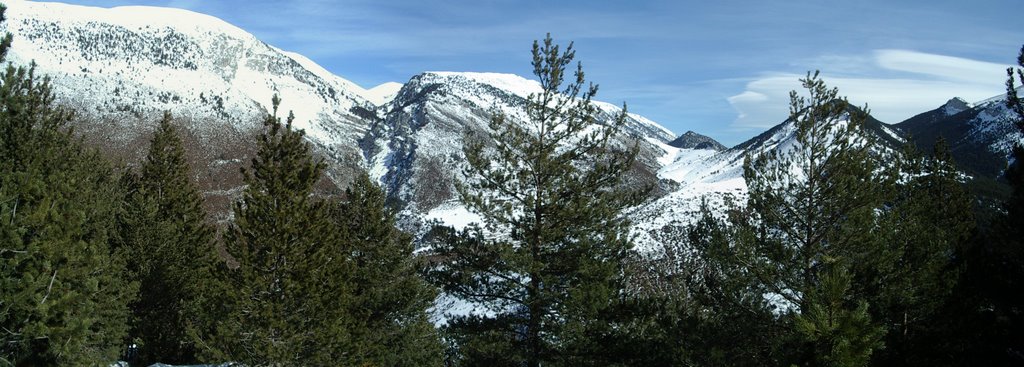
120 68
715 178
416 149
980 135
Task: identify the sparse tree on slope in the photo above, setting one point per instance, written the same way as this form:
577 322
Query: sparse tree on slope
63 293
170 249
551 188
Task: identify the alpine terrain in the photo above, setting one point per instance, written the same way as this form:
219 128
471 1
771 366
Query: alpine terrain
120 68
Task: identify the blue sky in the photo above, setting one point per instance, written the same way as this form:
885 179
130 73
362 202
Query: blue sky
720 68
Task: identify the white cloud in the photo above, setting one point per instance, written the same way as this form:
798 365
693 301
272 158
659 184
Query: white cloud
895 84
940 66
748 97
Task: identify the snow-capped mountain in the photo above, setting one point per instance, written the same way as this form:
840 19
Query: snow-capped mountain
122 67
980 135
714 177
416 149
135 58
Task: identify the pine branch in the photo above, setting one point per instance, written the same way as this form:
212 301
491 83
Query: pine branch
49 287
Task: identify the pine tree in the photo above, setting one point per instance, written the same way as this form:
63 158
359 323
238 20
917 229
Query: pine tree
811 210
841 335
63 293
171 251
551 191
288 300
390 298
989 300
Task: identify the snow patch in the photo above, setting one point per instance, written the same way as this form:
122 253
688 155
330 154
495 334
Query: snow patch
454 215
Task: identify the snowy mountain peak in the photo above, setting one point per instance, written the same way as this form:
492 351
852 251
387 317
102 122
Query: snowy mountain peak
138 61
515 84
131 17
955 106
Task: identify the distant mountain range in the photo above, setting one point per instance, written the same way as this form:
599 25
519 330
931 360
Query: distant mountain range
121 67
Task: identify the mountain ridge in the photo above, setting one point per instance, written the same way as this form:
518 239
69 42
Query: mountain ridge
979 136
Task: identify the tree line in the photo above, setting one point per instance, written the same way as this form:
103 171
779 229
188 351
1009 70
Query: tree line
844 253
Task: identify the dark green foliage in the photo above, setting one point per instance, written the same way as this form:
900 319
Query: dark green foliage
550 189
171 251
287 301
695 307
317 282
389 297
63 293
810 227
913 272
839 329
1015 173
990 301
857 257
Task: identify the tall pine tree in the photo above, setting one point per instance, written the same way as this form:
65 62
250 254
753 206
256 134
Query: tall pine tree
550 191
171 251
63 292
812 206
390 298
287 301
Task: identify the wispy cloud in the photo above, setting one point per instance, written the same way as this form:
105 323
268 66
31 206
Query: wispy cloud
895 84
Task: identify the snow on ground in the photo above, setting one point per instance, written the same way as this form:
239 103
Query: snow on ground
682 207
454 215
684 162
670 151
447 307
138 17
